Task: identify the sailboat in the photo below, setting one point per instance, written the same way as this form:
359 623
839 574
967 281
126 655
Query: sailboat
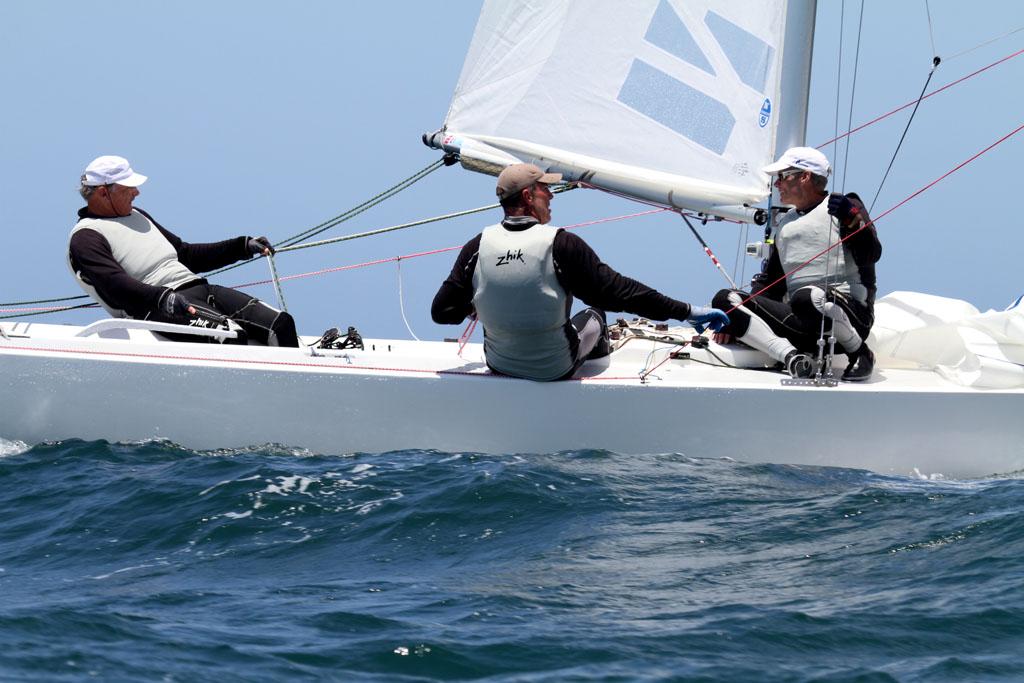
681 106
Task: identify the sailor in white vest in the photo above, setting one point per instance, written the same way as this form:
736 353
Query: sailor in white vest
801 290
519 278
134 267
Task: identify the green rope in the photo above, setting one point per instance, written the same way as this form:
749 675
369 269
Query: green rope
55 310
45 301
292 243
295 239
369 203
351 213
403 226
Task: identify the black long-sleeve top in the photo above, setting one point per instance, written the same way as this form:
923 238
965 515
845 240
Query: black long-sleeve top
580 273
864 247
92 256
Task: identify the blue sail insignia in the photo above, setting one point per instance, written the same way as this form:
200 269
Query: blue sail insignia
684 107
678 106
750 56
668 32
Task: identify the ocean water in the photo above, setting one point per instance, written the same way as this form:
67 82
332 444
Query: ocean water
148 561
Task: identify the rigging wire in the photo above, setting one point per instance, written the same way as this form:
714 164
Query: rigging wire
897 110
825 357
984 43
882 215
403 226
738 259
839 78
369 203
931 32
390 259
707 250
347 215
294 239
7 307
853 94
935 64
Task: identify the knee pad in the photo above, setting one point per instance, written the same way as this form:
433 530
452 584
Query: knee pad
726 299
283 331
808 302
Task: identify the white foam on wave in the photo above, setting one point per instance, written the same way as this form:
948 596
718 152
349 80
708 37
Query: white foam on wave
12 447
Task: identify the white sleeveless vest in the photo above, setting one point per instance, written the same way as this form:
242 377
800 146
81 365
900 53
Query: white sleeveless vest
799 237
140 248
520 303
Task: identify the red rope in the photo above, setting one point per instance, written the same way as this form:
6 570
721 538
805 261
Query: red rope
880 216
467 333
337 269
433 251
911 103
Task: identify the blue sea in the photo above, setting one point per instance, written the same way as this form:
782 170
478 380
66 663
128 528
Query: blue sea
148 561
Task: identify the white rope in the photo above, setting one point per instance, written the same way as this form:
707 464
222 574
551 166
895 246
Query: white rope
931 34
401 301
987 42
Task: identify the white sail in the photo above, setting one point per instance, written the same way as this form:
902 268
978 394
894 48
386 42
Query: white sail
676 101
964 345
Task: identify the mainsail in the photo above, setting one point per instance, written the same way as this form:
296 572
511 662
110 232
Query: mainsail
678 102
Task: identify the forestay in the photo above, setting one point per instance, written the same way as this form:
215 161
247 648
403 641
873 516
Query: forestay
675 101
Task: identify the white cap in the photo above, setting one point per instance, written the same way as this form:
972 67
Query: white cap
110 170
804 158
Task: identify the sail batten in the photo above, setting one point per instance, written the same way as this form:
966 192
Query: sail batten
685 91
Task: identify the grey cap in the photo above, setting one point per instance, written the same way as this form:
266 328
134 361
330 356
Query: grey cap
518 177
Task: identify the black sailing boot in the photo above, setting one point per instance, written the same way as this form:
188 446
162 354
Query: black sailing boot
799 365
862 363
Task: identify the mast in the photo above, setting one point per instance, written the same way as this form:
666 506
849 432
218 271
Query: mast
795 85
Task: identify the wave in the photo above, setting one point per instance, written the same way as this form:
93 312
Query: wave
426 564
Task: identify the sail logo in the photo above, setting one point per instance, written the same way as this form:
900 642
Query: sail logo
766 113
686 77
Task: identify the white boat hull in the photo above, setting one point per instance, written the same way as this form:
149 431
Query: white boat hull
400 394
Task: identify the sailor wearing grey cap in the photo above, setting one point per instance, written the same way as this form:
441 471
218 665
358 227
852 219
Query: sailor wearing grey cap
519 278
801 289
134 267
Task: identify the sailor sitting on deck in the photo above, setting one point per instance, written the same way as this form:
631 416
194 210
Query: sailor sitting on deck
520 276
134 267
785 320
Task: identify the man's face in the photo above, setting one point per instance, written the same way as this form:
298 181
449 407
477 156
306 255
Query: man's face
540 202
792 185
119 198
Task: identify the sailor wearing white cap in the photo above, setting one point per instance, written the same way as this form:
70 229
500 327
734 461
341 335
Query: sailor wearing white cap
799 286
134 267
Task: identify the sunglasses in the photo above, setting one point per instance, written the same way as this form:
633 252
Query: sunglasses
787 174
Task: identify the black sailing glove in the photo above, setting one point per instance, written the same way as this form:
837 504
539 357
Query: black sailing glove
840 206
758 282
259 245
174 305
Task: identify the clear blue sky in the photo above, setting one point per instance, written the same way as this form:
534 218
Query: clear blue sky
267 118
